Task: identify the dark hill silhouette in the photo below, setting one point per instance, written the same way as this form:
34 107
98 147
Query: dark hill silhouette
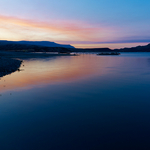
36 43
132 49
32 48
135 49
45 46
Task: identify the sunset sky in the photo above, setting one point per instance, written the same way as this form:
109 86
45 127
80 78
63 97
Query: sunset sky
81 23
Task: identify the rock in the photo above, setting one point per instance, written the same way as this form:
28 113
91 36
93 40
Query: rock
8 65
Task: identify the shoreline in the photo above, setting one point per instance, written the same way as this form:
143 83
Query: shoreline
22 55
8 66
11 61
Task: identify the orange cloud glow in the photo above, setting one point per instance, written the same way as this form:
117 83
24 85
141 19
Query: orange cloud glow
13 28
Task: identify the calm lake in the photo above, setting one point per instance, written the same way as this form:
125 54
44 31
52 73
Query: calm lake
85 102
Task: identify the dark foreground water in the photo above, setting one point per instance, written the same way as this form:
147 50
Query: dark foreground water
84 102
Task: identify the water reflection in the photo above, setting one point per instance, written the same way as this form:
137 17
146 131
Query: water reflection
52 70
97 103
66 69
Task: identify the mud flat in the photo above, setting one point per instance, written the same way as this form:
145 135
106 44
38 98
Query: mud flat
8 65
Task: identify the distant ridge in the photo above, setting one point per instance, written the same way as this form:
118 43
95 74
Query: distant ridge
145 48
46 46
36 43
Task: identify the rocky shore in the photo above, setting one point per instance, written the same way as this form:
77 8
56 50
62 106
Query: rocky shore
8 65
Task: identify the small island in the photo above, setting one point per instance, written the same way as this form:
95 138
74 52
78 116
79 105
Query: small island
112 53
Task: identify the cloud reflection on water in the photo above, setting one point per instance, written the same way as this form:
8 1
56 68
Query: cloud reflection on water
53 70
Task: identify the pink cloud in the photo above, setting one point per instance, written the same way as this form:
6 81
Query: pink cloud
70 30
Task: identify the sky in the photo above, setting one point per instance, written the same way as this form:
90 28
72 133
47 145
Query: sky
81 23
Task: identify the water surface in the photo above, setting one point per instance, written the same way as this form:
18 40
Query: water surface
82 102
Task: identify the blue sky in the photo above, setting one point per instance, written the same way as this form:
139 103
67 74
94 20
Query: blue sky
81 23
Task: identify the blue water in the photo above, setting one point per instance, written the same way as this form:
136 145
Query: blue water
85 102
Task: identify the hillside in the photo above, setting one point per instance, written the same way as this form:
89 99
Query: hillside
135 49
35 43
45 46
